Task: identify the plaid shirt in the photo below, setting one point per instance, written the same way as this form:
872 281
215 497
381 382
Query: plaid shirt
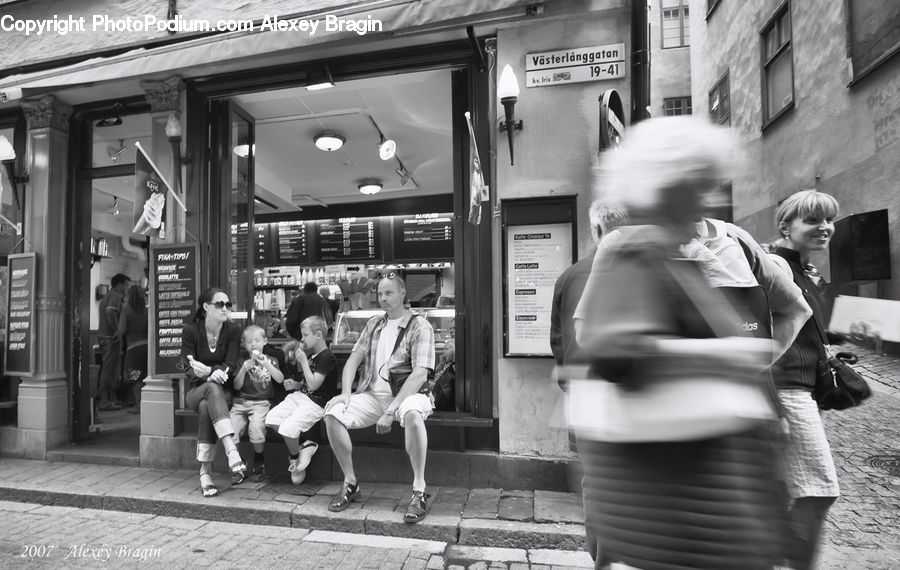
416 348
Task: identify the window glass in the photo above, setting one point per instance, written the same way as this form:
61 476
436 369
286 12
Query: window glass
677 106
777 65
719 108
780 79
675 23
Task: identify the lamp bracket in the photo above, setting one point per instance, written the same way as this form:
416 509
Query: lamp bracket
516 125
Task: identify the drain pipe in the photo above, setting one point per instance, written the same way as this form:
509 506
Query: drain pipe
640 61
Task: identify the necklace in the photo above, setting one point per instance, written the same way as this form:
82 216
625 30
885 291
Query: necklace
212 338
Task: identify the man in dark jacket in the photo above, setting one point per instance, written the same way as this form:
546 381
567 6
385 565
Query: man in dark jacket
308 304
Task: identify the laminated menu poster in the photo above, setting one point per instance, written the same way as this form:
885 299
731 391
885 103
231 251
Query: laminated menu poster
20 315
174 277
535 257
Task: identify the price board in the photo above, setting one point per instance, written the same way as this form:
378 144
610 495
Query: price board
20 315
174 278
423 237
348 239
292 247
262 252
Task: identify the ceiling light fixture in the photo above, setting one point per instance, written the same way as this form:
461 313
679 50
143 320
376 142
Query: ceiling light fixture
113 120
114 152
387 149
404 174
329 141
370 187
319 78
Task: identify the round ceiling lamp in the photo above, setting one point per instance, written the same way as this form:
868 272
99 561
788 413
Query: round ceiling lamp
370 187
387 149
329 141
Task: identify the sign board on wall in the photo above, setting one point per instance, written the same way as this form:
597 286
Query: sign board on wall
174 278
20 315
538 245
576 65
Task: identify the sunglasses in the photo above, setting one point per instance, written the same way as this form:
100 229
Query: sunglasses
222 304
390 275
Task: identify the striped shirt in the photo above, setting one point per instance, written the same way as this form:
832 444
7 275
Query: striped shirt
416 348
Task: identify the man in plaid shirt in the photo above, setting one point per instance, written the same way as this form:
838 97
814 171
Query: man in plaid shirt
392 347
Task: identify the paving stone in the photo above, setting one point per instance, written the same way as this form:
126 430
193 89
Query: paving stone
314 514
552 507
482 504
434 527
485 553
560 558
511 534
516 508
426 547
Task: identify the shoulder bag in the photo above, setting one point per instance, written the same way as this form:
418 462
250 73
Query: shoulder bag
838 385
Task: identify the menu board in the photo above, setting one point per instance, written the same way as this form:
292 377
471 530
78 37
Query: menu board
348 239
20 315
261 251
174 278
536 256
240 243
290 242
423 236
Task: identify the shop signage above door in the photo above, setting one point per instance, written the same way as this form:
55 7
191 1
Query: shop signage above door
576 65
20 315
174 277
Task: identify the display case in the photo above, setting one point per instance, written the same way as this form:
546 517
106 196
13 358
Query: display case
350 324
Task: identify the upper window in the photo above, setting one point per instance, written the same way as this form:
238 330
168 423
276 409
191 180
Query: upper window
677 106
719 103
676 29
777 65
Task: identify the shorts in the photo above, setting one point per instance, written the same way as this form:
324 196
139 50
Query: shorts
806 457
366 408
252 412
295 415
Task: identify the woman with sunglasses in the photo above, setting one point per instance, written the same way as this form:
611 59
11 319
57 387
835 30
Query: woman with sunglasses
209 349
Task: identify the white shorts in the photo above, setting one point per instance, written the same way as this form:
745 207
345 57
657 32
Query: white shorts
252 412
806 457
366 409
295 415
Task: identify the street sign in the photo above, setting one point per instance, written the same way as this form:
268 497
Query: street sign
575 65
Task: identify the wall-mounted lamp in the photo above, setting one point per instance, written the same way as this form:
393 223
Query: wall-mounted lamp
319 78
370 187
173 133
508 91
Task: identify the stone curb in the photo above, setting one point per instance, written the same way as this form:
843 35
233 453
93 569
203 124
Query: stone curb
314 515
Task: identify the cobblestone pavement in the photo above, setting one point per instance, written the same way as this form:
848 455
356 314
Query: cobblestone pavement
35 536
863 526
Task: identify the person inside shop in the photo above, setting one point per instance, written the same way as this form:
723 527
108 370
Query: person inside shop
396 351
312 382
333 304
209 352
261 369
307 304
111 342
134 325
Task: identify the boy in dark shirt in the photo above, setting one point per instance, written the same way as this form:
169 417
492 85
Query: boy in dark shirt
261 365
313 381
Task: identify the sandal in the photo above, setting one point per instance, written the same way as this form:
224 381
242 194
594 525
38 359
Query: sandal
238 472
342 500
208 490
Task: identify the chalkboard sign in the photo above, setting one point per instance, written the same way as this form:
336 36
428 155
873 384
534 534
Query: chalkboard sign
240 240
174 278
20 315
348 239
290 242
423 236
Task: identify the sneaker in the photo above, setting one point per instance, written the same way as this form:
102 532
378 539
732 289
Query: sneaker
259 472
342 500
307 450
297 474
417 507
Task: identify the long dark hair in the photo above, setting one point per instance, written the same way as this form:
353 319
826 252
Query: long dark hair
135 299
205 297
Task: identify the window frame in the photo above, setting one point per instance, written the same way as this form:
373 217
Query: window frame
711 6
775 22
716 88
682 5
686 102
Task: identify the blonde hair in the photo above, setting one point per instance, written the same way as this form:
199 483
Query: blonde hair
805 204
315 324
663 154
250 331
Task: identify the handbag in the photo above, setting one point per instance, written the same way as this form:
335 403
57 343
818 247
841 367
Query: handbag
690 401
838 385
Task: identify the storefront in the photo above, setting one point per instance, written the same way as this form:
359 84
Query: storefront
270 209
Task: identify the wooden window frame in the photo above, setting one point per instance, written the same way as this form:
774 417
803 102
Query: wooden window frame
784 49
683 4
685 101
717 88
